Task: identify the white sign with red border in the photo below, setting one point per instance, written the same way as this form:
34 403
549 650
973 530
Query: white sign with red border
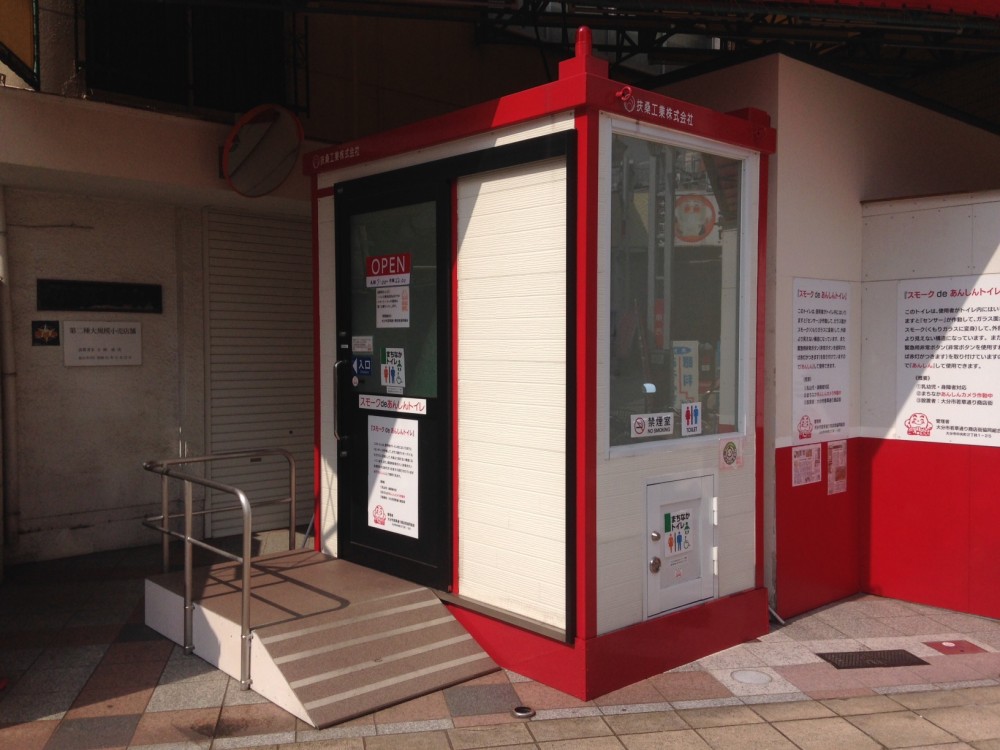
948 363
821 374
393 475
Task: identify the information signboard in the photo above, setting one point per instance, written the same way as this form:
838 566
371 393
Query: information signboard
820 366
948 360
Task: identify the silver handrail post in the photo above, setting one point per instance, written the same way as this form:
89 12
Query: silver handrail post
165 510
162 524
291 501
245 600
188 572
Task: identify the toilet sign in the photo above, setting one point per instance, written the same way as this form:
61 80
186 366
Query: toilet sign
677 531
393 368
387 270
691 418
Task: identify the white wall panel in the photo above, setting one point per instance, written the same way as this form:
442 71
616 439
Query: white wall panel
523 131
918 244
326 318
986 234
878 361
932 237
622 478
512 390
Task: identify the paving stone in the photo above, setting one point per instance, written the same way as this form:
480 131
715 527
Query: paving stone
900 729
699 718
830 733
756 736
684 739
414 741
588 743
98 698
32 735
797 710
640 723
188 695
862 705
93 733
569 729
24 707
194 727
968 723
348 743
492 736
469 700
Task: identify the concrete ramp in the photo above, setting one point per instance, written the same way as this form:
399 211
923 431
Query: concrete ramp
330 640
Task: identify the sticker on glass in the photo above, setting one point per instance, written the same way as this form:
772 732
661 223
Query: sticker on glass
393 368
691 418
392 307
651 425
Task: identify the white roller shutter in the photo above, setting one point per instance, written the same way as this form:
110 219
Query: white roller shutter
259 340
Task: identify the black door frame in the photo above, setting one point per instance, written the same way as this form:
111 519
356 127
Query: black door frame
426 559
439 178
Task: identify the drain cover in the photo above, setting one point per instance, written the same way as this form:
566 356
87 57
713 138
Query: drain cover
751 676
866 659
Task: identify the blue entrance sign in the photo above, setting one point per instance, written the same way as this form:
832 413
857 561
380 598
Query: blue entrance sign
362 366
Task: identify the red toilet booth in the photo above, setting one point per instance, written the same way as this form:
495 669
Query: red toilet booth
538 372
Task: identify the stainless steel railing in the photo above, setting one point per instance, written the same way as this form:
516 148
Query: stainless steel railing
168 470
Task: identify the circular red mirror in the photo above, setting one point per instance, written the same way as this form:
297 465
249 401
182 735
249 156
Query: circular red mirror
261 150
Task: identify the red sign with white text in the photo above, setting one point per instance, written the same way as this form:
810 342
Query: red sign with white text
387 270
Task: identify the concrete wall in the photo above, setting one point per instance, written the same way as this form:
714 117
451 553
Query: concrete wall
839 144
84 432
101 193
359 88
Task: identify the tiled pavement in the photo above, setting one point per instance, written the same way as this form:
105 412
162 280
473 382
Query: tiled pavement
86 674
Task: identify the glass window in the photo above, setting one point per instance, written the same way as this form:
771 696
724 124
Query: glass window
675 228
399 319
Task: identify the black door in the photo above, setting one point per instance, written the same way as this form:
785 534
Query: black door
393 381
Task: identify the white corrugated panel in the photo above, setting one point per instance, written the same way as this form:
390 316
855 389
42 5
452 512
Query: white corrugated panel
259 340
512 390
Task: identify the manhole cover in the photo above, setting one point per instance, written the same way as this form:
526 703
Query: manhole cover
867 659
751 677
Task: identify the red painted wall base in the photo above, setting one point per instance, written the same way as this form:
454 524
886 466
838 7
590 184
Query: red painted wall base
592 667
932 524
919 522
817 535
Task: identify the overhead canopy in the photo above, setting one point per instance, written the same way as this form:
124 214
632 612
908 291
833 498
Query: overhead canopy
946 53
964 7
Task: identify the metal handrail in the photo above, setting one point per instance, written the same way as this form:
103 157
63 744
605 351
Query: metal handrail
165 468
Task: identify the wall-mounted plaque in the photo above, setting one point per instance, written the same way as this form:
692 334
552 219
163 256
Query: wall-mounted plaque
99 296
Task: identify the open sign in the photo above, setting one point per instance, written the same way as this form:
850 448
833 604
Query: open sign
388 270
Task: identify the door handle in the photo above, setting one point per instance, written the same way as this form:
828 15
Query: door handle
337 378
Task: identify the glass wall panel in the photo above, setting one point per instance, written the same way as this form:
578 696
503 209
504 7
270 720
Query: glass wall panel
675 229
